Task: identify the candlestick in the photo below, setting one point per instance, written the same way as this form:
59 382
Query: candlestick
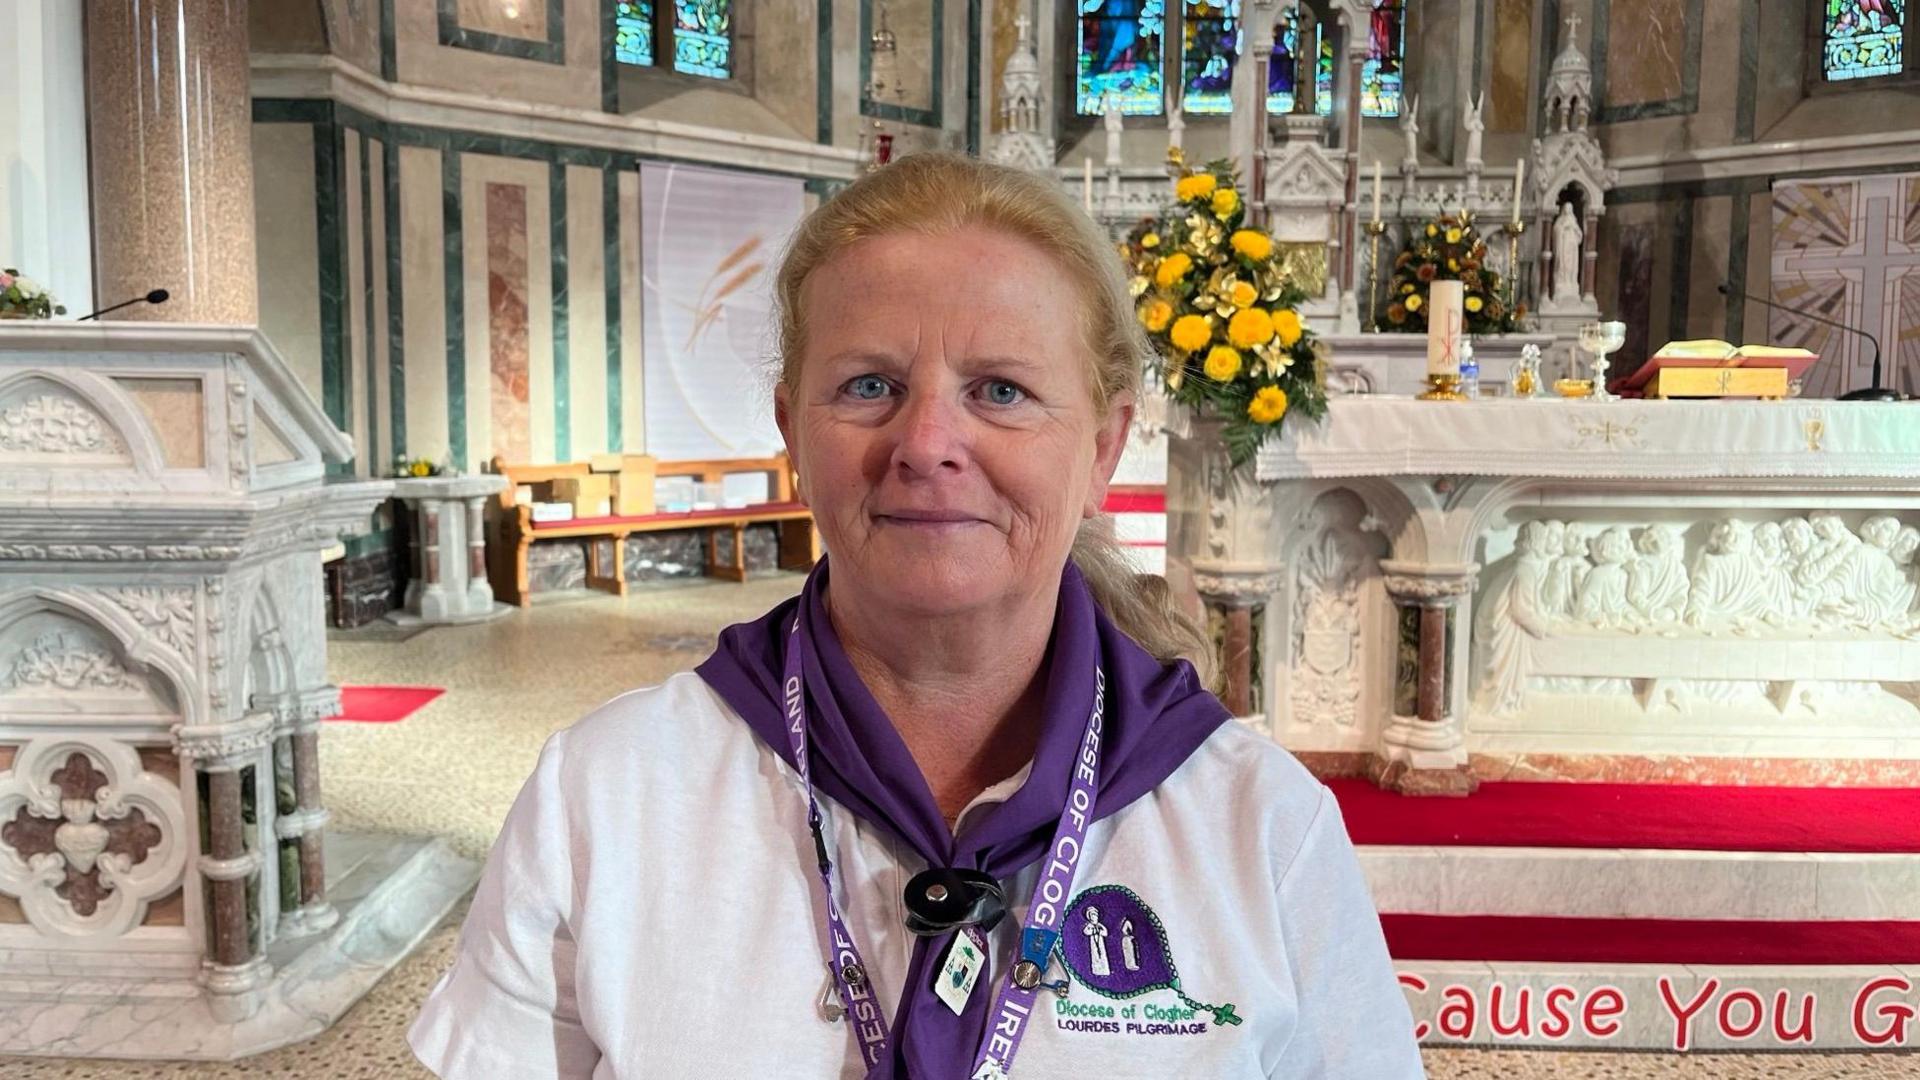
1376 191
1519 174
1374 229
1514 230
1086 184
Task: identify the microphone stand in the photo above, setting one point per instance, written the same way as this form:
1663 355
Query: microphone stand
1876 392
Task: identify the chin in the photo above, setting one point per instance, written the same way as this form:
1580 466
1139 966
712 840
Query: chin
933 585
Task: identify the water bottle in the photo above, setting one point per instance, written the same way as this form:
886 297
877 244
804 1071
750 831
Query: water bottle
1469 370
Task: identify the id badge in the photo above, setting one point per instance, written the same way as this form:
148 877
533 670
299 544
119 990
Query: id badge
966 959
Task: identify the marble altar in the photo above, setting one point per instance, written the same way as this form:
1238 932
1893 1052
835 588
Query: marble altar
1425 588
165 873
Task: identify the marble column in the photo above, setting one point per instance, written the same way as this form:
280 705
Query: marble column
1425 754
1348 234
1237 597
1589 253
170 128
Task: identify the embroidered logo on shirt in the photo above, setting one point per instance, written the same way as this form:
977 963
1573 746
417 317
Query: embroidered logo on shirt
1114 944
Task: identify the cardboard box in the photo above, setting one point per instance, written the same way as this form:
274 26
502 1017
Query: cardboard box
588 494
605 463
633 486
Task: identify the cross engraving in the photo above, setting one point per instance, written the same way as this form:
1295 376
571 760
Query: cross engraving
76 840
1573 27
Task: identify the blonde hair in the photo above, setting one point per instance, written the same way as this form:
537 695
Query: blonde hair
937 193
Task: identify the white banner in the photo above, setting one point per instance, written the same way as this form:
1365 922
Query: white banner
710 241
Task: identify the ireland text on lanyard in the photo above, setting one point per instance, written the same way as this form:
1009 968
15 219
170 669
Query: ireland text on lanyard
1014 1005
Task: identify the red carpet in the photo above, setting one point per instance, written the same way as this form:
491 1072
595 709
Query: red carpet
1516 939
383 704
1668 816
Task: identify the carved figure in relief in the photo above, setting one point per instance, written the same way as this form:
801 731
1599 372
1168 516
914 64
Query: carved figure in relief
1821 572
1905 546
80 838
1516 617
1874 590
1410 130
1727 581
1603 591
1776 566
1562 587
1566 255
1657 579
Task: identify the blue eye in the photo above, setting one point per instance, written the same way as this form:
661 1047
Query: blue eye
867 387
1002 392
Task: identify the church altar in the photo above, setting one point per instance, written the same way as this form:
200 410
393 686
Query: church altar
1430 592
168 884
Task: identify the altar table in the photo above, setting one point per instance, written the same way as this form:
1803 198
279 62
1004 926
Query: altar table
1430 591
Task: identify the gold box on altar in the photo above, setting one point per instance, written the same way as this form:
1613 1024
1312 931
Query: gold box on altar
1718 382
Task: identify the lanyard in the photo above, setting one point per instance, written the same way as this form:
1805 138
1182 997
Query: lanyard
1013 1006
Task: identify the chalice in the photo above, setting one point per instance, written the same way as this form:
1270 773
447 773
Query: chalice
1601 338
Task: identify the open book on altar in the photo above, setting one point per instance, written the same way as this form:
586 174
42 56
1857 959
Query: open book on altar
1674 370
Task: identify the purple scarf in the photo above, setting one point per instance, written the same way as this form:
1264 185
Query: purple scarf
1157 715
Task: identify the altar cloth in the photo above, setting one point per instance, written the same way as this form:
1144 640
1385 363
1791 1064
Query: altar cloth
1367 435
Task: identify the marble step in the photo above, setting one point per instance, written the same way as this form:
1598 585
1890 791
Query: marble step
1641 883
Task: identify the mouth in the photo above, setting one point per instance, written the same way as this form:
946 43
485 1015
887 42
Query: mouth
926 519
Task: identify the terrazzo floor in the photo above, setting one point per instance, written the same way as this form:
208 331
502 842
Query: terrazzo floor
453 768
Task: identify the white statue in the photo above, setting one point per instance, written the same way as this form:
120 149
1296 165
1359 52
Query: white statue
1566 256
1475 126
1129 948
1875 591
1097 942
1657 580
1410 128
1515 618
1776 566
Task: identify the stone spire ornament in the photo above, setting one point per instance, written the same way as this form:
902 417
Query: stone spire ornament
1021 142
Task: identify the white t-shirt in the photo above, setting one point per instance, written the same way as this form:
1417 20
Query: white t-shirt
652 909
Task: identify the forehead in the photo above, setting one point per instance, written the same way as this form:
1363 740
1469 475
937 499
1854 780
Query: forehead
979 288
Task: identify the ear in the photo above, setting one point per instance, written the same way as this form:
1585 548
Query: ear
783 419
1109 442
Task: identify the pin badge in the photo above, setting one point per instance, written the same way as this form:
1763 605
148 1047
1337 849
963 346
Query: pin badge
1026 974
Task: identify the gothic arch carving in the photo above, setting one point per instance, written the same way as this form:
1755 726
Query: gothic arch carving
60 418
133 641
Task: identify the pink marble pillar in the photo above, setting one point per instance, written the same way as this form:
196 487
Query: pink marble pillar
169 118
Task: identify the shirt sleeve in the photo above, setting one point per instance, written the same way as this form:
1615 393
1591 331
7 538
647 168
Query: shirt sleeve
507 1007
1353 1023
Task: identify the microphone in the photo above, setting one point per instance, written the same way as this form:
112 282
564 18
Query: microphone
1866 393
157 296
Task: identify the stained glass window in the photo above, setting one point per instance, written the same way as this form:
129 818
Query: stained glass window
1209 40
1119 43
703 37
1862 38
633 32
1381 75
1280 73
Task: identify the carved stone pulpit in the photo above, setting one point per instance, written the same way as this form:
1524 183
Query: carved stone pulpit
164 872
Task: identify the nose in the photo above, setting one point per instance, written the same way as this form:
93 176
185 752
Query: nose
930 435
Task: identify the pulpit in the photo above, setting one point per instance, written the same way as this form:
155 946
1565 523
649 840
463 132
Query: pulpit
1442 591
167 885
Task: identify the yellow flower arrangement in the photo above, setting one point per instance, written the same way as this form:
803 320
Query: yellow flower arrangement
1287 327
1199 186
1191 333
1253 244
1249 328
1448 248
1172 269
1269 404
1210 289
1155 314
1223 363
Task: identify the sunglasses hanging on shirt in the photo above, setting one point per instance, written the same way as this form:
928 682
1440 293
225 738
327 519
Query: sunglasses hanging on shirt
945 898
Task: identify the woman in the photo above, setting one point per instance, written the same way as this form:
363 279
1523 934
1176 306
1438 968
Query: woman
1123 883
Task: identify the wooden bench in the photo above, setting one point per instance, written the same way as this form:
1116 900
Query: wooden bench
511 529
